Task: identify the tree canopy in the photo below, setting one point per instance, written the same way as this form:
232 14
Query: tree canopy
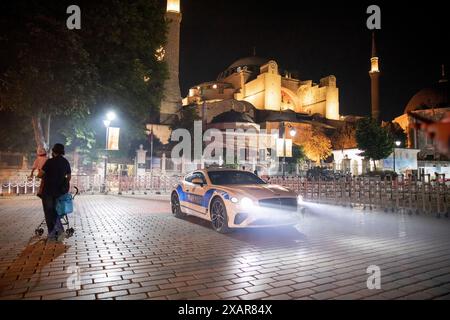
374 140
344 137
76 76
397 133
298 155
50 75
318 146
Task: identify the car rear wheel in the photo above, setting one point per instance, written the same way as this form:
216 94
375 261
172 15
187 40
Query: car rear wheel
219 217
176 207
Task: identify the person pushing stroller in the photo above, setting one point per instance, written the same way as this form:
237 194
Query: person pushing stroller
55 175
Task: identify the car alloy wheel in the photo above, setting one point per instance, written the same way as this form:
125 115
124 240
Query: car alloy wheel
219 218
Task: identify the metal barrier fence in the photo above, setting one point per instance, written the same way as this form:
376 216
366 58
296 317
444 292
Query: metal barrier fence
96 184
20 186
142 184
429 197
426 196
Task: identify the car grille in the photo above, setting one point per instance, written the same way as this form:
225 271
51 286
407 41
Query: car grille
289 204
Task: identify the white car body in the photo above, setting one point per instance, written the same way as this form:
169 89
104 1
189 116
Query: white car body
247 205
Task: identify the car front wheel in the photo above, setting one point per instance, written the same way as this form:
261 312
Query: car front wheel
176 207
219 217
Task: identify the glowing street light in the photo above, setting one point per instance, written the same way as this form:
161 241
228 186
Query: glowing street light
293 132
110 117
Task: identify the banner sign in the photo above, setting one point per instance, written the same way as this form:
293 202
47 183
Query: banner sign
280 146
288 150
283 151
113 139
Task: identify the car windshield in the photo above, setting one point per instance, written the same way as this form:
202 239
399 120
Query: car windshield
234 177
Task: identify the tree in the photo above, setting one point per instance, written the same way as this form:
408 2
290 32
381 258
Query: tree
128 33
375 141
50 75
298 155
75 76
11 129
396 132
344 137
188 115
122 38
318 146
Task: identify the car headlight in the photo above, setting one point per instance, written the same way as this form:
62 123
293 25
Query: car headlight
234 200
299 199
247 203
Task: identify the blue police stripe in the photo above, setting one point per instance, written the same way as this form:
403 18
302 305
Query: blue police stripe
181 194
206 198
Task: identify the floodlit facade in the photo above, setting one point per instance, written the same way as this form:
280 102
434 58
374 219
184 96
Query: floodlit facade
262 84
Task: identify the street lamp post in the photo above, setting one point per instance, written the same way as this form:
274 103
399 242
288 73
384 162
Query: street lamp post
107 122
292 133
397 144
151 159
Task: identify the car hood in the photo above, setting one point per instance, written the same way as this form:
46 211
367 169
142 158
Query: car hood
258 191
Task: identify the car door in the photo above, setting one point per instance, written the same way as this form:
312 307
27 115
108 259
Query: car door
197 193
185 200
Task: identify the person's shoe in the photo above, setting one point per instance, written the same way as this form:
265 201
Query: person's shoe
52 239
61 236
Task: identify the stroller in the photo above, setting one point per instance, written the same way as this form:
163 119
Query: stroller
64 207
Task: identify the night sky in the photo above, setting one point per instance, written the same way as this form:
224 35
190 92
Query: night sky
317 39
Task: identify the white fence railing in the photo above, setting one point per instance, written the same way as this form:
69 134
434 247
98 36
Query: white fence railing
389 194
426 196
96 184
20 186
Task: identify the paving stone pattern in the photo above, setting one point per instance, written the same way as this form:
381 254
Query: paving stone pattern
132 248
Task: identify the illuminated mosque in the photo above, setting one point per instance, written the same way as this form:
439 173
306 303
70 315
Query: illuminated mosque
252 91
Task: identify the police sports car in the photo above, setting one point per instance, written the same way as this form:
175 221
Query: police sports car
234 199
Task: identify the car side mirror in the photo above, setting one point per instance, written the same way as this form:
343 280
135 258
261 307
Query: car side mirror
198 181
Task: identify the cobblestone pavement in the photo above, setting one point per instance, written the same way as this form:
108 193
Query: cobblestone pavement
129 248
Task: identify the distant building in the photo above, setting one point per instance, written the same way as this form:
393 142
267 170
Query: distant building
268 97
350 161
265 87
431 103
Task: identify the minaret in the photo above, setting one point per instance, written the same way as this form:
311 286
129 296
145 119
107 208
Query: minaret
171 103
375 81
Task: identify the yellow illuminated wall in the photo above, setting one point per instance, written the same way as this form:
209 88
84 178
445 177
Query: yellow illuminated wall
271 91
272 82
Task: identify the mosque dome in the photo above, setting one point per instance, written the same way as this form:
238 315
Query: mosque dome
249 61
252 64
436 96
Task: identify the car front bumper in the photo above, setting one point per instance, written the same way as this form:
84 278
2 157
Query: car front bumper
260 217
